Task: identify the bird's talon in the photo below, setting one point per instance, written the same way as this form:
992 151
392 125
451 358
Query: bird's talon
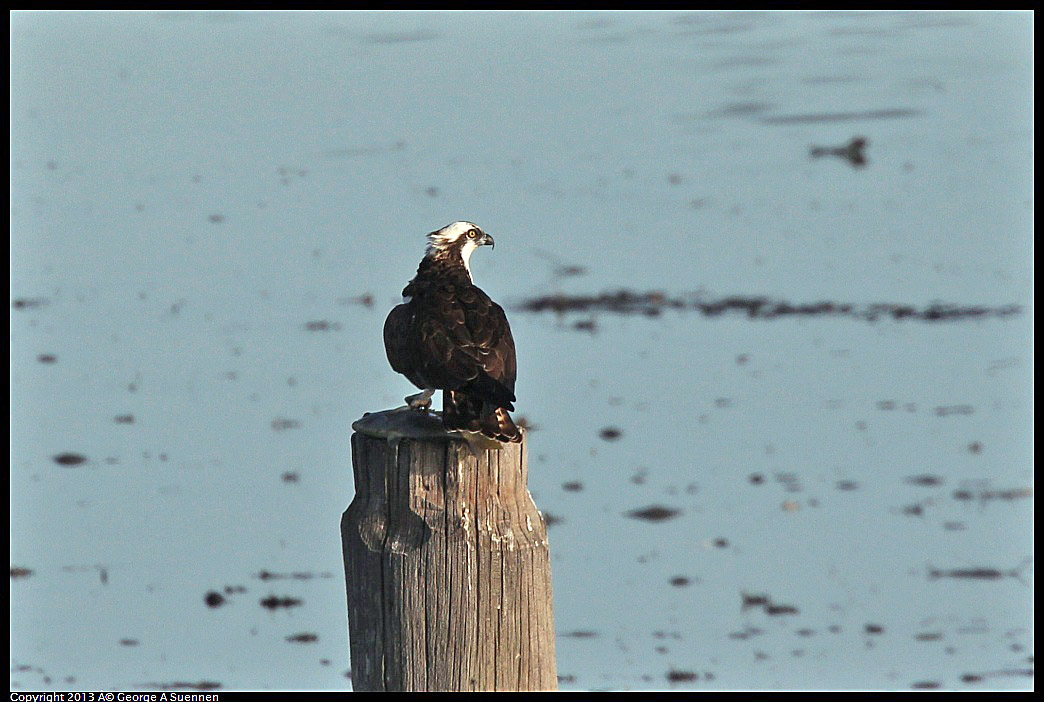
420 401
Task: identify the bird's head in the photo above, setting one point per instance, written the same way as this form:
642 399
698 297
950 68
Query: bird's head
458 238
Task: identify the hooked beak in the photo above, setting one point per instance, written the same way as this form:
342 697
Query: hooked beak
487 239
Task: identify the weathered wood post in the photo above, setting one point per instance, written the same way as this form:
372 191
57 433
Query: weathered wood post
446 561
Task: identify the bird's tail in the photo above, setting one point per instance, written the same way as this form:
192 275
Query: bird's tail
462 412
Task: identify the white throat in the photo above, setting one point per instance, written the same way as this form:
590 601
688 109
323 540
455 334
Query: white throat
465 255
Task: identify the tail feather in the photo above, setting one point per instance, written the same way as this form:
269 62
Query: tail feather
462 412
493 391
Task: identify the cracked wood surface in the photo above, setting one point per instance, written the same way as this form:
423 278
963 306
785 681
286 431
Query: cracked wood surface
447 566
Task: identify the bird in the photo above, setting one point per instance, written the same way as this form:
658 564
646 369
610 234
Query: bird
449 335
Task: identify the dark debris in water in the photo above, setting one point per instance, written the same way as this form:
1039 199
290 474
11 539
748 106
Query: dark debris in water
924 480
677 676
179 685
652 304
19 572
765 603
69 459
954 409
582 634
523 422
984 495
890 113
366 300
978 573
214 599
268 575
273 603
610 433
654 513
747 633
778 609
282 424
551 520
303 638
322 325
854 151
929 636
29 303
1008 672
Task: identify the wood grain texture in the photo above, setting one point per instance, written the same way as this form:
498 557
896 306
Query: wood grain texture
448 569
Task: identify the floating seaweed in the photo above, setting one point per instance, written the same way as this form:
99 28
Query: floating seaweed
1008 672
179 685
654 303
979 573
986 494
888 113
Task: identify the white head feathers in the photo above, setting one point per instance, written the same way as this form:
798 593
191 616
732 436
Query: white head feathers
453 234
449 234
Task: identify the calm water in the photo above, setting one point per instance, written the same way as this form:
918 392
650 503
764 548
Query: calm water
212 214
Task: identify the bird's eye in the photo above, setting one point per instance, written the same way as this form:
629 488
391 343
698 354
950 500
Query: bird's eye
472 233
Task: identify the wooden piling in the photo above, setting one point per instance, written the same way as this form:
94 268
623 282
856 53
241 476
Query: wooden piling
447 563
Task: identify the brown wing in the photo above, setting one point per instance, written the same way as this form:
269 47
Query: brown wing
465 344
397 333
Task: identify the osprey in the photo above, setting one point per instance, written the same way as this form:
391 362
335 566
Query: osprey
448 335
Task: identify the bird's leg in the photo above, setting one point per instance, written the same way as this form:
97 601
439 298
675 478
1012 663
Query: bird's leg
421 400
